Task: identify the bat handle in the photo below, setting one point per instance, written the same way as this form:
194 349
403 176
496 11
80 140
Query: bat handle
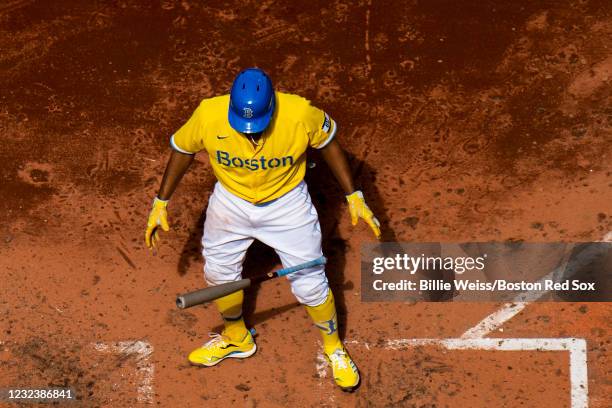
315 262
210 293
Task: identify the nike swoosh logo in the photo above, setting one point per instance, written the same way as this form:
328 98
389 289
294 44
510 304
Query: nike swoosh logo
228 346
222 137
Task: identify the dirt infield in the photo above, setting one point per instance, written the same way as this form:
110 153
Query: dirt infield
464 121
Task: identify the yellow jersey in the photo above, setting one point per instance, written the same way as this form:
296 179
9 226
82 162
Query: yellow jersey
263 172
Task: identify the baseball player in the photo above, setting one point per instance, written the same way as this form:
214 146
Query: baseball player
257 139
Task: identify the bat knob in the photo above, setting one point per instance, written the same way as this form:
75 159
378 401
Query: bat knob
180 302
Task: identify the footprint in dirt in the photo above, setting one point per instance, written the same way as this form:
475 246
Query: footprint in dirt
181 319
95 378
36 173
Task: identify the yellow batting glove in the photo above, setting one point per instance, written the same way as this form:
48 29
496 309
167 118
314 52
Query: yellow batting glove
157 218
359 209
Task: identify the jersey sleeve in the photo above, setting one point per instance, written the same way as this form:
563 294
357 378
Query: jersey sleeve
320 128
189 139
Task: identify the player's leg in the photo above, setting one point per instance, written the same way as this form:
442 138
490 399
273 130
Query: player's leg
224 245
291 227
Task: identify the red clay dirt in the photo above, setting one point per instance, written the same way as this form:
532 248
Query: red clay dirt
477 120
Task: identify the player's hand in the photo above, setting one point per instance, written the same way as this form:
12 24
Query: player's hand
359 209
157 218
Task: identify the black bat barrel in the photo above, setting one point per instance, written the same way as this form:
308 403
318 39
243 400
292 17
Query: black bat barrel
211 293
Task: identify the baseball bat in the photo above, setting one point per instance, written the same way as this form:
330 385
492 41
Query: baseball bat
214 292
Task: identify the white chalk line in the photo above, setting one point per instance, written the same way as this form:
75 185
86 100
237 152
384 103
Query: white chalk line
473 339
576 348
498 318
578 354
145 369
321 366
494 320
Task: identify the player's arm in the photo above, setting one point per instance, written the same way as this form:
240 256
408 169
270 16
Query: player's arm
336 160
175 170
185 143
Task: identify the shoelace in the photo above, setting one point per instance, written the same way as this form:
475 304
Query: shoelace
215 340
337 359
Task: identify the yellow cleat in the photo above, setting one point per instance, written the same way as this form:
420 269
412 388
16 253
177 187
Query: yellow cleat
345 371
220 347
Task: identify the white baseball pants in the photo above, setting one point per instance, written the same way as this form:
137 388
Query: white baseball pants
290 225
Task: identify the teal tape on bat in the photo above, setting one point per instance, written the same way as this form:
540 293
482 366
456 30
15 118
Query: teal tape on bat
315 262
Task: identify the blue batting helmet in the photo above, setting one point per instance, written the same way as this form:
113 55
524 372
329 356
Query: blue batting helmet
251 101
